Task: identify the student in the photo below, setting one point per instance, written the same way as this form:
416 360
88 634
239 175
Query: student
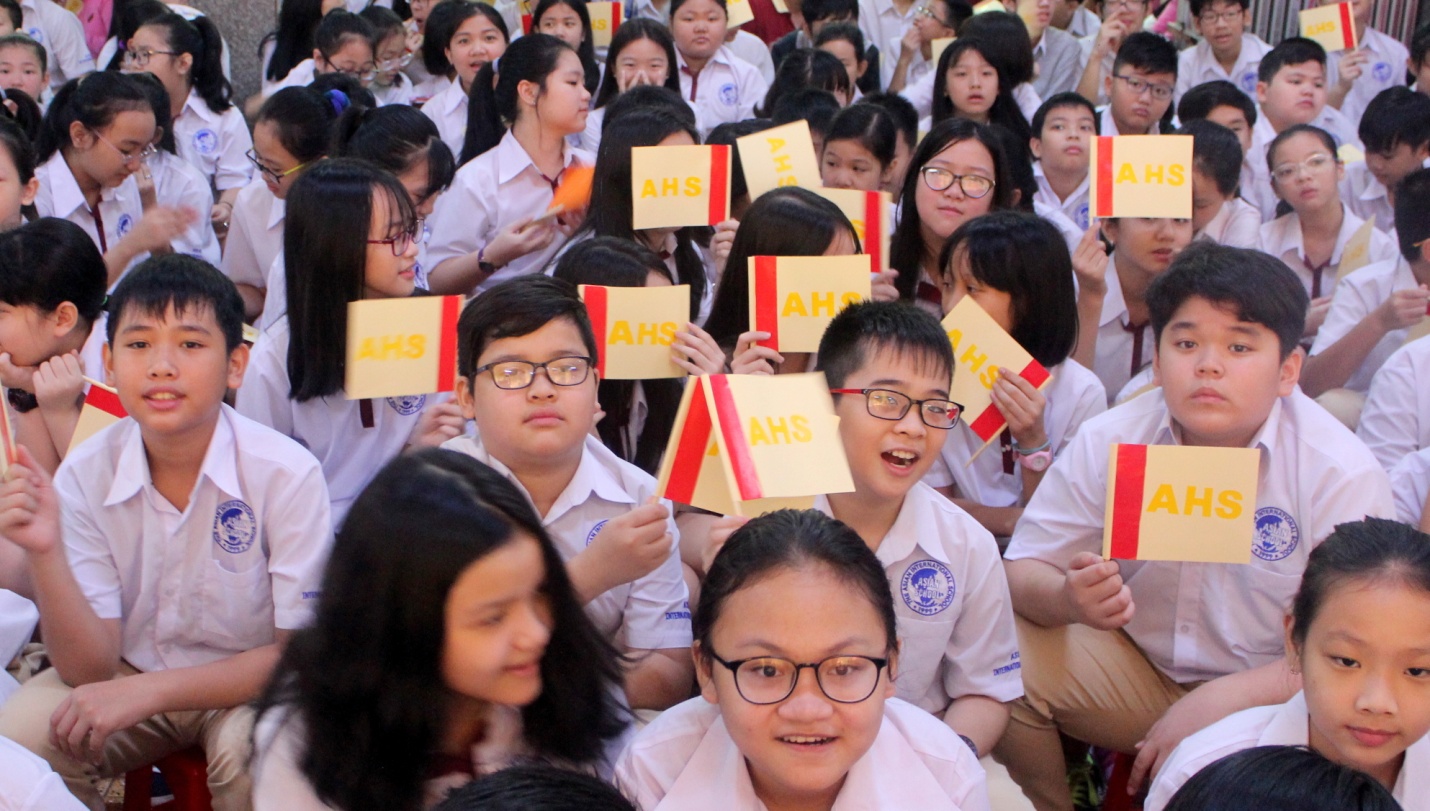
1221 102
96 135
1280 777
290 134
1139 88
535 429
1373 66
18 184
1218 214
727 135
936 19
1120 20
1010 264
761 731
23 66
207 128
1418 64
390 85
343 43
524 787
1396 132
183 497
721 87
860 149
168 180
1228 51
845 42
958 172
1063 129
570 22
753 50
462 38
1373 308
806 69
1074 18
1055 51
1306 173
906 119
641 53
1396 420
291 42
484 230
60 31
1007 48
474 654
1361 704
1226 322
296 385
968 85
812 105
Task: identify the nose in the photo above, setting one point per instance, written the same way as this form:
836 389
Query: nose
912 423
807 702
161 364
1375 696
541 387
535 627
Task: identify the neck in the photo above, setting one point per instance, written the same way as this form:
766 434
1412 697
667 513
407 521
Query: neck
178 97
1227 58
546 148
869 515
981 118
1239 441
1123 128
176 459
1134 281
655 238
695 65
546 480
775 799
1325 221
1064 184
466 720
87 185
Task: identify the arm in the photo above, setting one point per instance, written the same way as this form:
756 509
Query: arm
1090 265
1334 365
659 679
460 274
626 549
908 46
1109 39
980 719
1091 592
156 229
1348 70
59 388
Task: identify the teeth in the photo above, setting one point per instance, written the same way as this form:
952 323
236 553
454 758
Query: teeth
906 455
802 739
163 396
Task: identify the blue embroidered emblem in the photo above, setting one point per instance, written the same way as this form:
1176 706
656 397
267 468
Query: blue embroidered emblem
1276 534
235 528
408 405
927 587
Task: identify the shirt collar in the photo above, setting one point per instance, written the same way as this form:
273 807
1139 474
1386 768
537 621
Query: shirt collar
220 465
277 212
1264 439
1290 726
592 477
512 159
917 516
453 97
65 192
199 108
1290 238
1114 306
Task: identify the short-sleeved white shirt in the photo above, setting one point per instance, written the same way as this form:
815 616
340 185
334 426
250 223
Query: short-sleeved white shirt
178 183
27 783
1383 70
1396 418
1282 239
649 613
1117 358
1356 297
301 75
448 110
1410 485
685 760
1262 195
1198 65
727 89
1059 60
883 23
1075 206
216 143
255 235
60 196
1276 725
1084 24
955 617
1199 621
493 190
62 35
18 618
1237 225
1367 197
194 587
919 72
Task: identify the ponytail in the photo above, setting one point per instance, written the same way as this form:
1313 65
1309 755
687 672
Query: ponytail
493 105
200 40
93 100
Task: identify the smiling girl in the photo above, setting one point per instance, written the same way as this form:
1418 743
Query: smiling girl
461 39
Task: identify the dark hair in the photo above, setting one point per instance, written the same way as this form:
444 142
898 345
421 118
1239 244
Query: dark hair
158 97
1289 51
384 22
16 14
50 261
395 138
587 49
1397 115
330 204
1374 549
906 247
727 134
1420 44
1004 112
609 214
842 32
128 17
793 539
1281 778
634 31
514 308
532 58
788 221
816 10
957 12
14 140
1300 129
1256 287
200 39
1024 256
648 97
1412 200
1004 42
185 283
94 100
864 328
18 40
1198 5
338 28
365 681
304 120
870 125
1060 101
676 4
342 91
26 115
1147 52
1199 102
293 38
1216 153
538 787
613 262
905 115
809 104
806 68
442 23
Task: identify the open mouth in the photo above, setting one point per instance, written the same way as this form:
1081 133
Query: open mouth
900 459
805 740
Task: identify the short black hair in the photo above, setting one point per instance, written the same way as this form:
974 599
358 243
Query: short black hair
644 97
50 261
1216 153
863 328
1397 115
17 14
183 282
1420 44
816 10
842 32
1281 778
1199 102
1412 200
1198 5
1146 52
906 115
1289 51
528 786
1058 102
518 307
818 107
1258 287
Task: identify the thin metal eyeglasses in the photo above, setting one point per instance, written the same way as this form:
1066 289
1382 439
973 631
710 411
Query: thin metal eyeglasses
518 374
395 64
400 243
886 404
1160 92
128 156
1315 163
140 59
770 679
939 179
269 173
364 73
1212 18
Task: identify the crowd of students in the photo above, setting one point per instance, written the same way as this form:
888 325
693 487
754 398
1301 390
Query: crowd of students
481 600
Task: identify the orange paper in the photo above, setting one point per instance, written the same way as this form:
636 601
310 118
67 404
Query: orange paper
871 213
675 186
635 328
1189 504
980 348
1331 26
1141 176
794 298
937 47
574 192
605 19
401 347
782 156
101 410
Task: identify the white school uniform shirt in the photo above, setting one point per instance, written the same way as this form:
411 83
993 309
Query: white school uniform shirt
1198 65
755 52
1263 195
215 143
954 614
178 183
882 23
301 75
59 196
448 110
1282 239
18 618
1108 126
919 72
650 613
331 428
493 190
1396 419
27 783
1237 225
194 587
255 235
1117 358
727 89
399 92
685 760
1410 486
591 136
62 35
1075 207
1059 60
1074 395
1276 725
1367 196
1357 297
1028 100
1199 621
918 91
1383 70
1084 23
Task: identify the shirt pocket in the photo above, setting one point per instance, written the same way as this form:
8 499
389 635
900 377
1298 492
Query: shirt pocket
237 607
1256 604
922 645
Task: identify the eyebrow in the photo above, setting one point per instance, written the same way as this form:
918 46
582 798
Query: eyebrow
132 328
839 648
560 353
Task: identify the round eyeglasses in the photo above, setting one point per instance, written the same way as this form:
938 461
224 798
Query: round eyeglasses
770 679
886 404
939 179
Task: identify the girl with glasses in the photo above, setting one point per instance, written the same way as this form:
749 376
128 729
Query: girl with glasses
390 85
343 43
796 705
169 180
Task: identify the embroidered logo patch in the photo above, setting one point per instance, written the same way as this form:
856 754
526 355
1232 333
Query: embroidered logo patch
1276 534
1248 83
596 530
1082 212
206 141
409 405
927 587
235 528
730 94
125 225
37 34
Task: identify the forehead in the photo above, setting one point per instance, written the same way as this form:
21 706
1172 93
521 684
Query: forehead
19 53
1202 313
559 334
914 365
1070 112
1301 70
968 152
138 315
1224 113
475 25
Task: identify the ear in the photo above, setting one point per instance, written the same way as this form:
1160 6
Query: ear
27 194
863 67
528 92
466 398
1261 88
704 675
237 365
318 56
108 356
80 136
1290 372
1035 145
1293 654
1107 85
185 63
1017 198
66 318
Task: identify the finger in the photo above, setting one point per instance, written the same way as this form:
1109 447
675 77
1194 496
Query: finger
1139 770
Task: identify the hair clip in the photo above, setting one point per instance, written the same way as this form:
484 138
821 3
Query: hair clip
338 99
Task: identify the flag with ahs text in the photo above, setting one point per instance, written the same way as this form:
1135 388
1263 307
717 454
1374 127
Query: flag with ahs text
781 156
676 186
635 329
871 213
980 348
605 19
401 347
794 298
1141 176
1332 27
101 410
1181 503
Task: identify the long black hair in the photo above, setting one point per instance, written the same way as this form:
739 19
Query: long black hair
201 40
1004 112
635 31
587 49
494 103
293 38
94 100
395 138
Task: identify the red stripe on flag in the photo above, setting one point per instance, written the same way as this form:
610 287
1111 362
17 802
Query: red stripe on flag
1348 29
767 305
690 451
988 424
747 481
106 401
1131 474
616 15
595 298
447 355
719 183
1104 176
874 229
1035 373
525 24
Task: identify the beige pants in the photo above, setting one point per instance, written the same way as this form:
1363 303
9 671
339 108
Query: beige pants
224 735
1092 685
1343 404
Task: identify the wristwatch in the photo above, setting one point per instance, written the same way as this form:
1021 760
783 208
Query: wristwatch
483 265
1035 459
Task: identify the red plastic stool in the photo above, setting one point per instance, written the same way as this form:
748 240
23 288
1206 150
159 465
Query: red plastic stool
187 775
1117 798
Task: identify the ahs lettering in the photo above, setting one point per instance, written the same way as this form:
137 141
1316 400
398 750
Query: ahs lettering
779 430
645 332
673 187
393 347
1198 499
970 358
817 304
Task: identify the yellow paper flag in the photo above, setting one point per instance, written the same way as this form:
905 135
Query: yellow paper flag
739 12
400 347
675 186
937 47
980 347
605 19
1331 26
794 298
872 215
782 156
1141 176
101 409
1356 254
1190 504
635 328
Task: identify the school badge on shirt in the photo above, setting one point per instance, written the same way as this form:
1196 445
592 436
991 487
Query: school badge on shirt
1276 534
235 528
205 141
927 587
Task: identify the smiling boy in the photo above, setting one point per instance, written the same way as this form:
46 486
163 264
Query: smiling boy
1227 52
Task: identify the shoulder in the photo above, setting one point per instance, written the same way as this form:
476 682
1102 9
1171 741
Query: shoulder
957 531
264 453
1136 420
631 479
1071 378
938 746
661 751
1321 438
92 463
1232 734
